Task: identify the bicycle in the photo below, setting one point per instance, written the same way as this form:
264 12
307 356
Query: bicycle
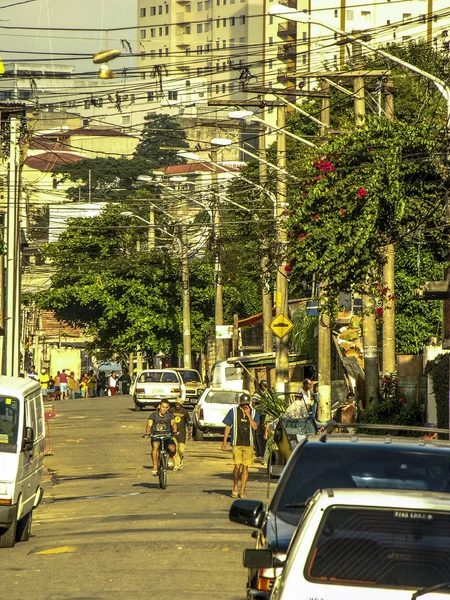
163 458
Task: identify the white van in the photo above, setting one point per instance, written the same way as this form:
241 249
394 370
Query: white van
226 376
22 436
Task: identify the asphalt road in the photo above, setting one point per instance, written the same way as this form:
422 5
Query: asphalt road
106 530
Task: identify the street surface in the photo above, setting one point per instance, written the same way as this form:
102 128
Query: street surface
106 530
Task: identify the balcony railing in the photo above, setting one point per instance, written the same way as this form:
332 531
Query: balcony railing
288 29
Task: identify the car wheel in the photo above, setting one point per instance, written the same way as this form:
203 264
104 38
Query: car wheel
8 536
137 406
198 434
23 532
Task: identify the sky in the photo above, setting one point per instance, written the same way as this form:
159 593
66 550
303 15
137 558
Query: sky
81 14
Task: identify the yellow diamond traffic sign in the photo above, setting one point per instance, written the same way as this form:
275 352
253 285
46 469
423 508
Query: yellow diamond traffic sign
281 325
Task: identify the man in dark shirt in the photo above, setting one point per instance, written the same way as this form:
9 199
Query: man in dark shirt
242 421
184 428
160 423
125 381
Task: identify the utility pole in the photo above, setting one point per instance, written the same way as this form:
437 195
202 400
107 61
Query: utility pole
281 296
218 284
151 228
389 362
370 340
324 325
13 295
265 275
187 350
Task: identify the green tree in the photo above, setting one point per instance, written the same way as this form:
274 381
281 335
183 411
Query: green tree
160 132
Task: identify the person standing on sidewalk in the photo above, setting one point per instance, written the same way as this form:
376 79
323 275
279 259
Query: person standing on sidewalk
241 421
184 428
64 385
71 382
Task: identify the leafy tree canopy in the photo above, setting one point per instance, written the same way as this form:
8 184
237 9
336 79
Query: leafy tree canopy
161 131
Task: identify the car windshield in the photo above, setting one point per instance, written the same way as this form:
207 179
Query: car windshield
190 376
381 547
349 466
221 397
157 376
9 423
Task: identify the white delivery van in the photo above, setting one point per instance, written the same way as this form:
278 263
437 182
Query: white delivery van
21 457
226 376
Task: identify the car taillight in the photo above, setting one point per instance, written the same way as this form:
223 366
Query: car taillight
140 391
201 415
264 584
175 391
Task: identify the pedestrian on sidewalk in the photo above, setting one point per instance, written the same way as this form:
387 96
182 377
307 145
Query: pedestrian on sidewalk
64 385
125 381
91 384
72 383
44 379
184 428
242 421
112 384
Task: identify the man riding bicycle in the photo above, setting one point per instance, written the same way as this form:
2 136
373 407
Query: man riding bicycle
161 423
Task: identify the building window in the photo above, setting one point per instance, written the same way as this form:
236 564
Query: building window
188 51
152 11
143 12
199 5
166 30
207 48
271 41
160 52
366 15
336 13
199 27
388 22
218 3
304 36
207 4
85 122
217 23
152 53
224 88
160 10
406 16
142 55
271 20
160 31
242 41
167 9
232 21
188 83
217 44
217 67
150 96
270 63
143 34
187 31
224 66
304 59
187 8
152 32
87 104
207 27
217 89
199 49
166 49
224 43
126 120
224 22
173 95
199 72
242 19
350 15
231 87
232 43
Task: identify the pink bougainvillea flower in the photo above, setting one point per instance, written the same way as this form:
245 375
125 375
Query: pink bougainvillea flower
398 379
401 399
343 211
301 236
379 311
291 235
362 192
325 165
288 268
371 150
304 194
315 217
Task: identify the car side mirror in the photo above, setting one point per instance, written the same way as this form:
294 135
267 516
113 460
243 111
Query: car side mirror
247 512
28 439
261 559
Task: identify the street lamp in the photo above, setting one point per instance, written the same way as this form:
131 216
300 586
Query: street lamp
243 115
291 14
187 351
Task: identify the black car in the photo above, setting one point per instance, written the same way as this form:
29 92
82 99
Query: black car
340 461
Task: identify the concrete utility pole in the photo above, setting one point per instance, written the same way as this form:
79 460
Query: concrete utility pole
281 296
187 350
370 340
218 284
13 280
267 298
389 358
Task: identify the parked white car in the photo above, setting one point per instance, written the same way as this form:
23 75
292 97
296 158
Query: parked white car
365 543
211 409
153 385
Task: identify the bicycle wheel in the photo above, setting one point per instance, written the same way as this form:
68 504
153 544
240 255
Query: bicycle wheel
163 470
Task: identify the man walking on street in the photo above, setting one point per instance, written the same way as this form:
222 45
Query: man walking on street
241 421
184 428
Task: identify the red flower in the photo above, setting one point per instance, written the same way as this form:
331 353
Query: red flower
362 192
401 399
286 212
291 235
288 268
325 165
343 211
301 236
315 217
398 379
371 150
379 311
304 194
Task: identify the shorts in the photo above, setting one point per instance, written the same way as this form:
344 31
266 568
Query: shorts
64 387
167 442
243 455
44 392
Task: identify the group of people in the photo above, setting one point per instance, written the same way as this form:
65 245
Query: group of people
66 386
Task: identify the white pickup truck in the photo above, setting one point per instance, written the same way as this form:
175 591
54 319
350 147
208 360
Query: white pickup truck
153 385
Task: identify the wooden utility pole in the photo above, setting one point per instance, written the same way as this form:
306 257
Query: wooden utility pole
281 296
389 362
